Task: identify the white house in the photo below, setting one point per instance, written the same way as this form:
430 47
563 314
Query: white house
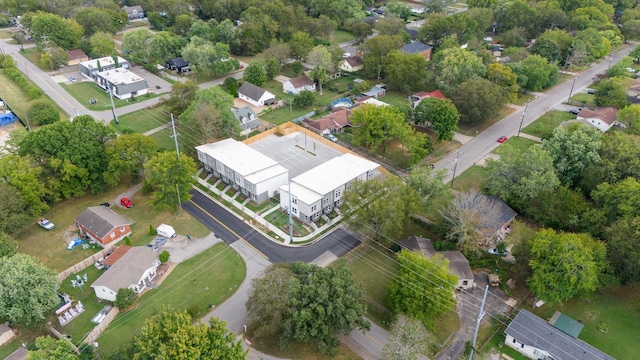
134 270
351 64
123 83
298 84
256 175
536 339
601 118
321 189
255 95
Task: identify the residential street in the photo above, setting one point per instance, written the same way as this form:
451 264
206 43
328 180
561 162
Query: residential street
481 145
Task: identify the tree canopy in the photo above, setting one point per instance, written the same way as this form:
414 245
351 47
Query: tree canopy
127 155
423 288
454 66
573 149
301 302
209 115
170 179
172 335
565 265
408 340
28 290
440 114
46 347
405 72
478 100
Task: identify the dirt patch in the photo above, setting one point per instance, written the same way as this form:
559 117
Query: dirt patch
163 271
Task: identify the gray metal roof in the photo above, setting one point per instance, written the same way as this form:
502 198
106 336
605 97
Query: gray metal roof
531 330
101 220
129 269
506 214
251 91
458 263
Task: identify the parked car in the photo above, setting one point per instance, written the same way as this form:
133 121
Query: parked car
346 55
105 204
332 138
574 111
591 91
631 70
493 251
502 139
46 224
126 202
73 79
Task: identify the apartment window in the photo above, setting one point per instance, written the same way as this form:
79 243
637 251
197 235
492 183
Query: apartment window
314 208
294 201
338 193
122 229
295 210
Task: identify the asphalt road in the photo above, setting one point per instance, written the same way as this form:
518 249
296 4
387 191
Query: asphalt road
230 228
481 145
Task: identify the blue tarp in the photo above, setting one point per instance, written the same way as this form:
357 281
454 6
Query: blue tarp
7 118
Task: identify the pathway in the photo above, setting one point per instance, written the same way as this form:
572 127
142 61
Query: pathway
158 129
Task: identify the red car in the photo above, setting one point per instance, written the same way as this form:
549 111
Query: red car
502 139
126 203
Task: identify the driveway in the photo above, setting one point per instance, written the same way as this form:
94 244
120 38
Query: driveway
156 84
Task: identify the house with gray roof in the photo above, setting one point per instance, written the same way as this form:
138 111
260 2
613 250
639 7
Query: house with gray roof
134 12
458 263
534 338
247 119
134 270
255 95
418 47
103 225
499 225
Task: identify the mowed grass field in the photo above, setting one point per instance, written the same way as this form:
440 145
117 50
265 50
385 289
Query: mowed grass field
17 100
84 91
196 285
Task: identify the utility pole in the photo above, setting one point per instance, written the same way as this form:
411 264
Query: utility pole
455 166
113 106
47 48
572 85
526 106
480 315
175 139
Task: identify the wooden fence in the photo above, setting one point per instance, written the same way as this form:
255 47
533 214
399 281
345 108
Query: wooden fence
83 264
98 329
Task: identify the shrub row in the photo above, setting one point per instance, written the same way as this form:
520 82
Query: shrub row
10 69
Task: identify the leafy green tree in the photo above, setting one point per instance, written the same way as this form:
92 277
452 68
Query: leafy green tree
272 68
320 56
547 49
454 66
182 24
28 290
361 31
517 178
164 256
361 87
573 149
440 114
630 117
560 209
565 265
463 27
435 29
8 245
306 303
478 100
303 99
125 298
618 200
72 155
95 19
136 45
102 44
374 126
483 18
430 185
619 159
46 347
401 10
157 21
623 248
380 209
209 116
620 69
207 59
405 72
390 26
408 340
319 74
173 335
375 51
596 45
127 155
537 71
255 34
65 33
54 57
631 29
43 112
202 30
423 288
612 92
165 45
181 96
278 50
170 179
255 74
14 210
503 76
300 44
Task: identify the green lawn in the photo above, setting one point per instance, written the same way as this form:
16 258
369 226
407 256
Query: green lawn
474 129
262 207
524 98
17 100
543 127
143 120
86 90
166 142
339 36
519 143
5 34
301 351
585 98
617 307
474 177
281 220
50 246
394 97
196 285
